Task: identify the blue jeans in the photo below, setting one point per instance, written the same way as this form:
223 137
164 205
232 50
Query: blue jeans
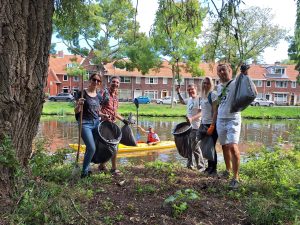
88 126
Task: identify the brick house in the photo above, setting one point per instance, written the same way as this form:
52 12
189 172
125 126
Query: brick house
275 82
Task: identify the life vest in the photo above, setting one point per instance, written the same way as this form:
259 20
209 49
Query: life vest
151 137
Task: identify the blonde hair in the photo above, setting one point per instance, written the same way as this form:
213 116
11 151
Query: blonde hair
204 94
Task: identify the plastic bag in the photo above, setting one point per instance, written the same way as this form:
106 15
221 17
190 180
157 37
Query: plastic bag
127 136
181 137
201 132
207 147
244 94
107 138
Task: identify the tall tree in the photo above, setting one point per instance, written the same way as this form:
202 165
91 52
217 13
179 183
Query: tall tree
110 29
175 31
25 37
242 35
297 40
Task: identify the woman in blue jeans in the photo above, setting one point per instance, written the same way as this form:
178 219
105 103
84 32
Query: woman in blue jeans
90 104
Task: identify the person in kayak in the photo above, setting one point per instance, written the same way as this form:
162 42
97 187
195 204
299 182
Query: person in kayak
152 137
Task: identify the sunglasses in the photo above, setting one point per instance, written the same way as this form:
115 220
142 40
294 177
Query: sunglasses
96 80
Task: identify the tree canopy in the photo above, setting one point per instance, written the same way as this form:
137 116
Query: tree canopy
242 36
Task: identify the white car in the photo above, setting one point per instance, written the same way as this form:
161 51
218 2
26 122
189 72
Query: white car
166 100
262 102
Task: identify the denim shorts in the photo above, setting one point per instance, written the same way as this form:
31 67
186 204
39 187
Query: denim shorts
229 130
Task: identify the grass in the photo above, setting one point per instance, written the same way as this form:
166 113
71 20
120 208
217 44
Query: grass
179 110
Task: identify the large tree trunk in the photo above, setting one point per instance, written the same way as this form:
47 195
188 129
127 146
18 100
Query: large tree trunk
25 37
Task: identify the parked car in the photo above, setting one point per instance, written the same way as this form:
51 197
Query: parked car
262 102
166 100
143 100
61 97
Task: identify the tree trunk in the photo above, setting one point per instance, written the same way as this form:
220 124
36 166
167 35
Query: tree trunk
25 37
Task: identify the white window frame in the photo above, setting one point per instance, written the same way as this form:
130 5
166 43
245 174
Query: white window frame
267 83
70 65
125 80
279 70
281 84
181 83
165 80
293 84
75 78
258 83
151 80
65 77
138 80
65 88
280 98
152 94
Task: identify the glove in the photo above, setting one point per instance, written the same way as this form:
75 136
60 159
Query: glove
210 130
126 122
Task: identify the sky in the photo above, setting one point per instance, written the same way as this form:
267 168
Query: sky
284 15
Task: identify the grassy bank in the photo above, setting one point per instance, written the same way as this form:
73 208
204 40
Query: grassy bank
158 193
66 108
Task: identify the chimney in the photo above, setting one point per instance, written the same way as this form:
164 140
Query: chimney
60 54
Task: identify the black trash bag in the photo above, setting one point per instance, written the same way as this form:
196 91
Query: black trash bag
107 138
181 137
207 147
201 132
244 93
127 136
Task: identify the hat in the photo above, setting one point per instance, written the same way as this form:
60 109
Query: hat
244 67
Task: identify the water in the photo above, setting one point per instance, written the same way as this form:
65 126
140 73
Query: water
254 133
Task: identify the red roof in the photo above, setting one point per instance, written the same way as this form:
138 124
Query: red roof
59 64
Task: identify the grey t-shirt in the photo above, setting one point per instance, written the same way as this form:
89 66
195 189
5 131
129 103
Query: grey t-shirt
193 107
226 100
206 108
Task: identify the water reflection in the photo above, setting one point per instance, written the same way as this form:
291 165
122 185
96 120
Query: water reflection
62 131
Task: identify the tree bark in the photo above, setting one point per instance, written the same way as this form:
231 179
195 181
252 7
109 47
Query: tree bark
25 37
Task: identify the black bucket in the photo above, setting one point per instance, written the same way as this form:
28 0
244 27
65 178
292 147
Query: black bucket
181 137
107 138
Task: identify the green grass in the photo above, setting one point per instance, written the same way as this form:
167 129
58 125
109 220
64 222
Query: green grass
179 110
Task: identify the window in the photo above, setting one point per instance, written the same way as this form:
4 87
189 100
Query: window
191 81
281 84
165 80
75 78
137 80
280 98
151 94
65 89
151 80
70 65
259 95
293 84
65 78
268 83
124 93
181 82
125 80
279 70
258 83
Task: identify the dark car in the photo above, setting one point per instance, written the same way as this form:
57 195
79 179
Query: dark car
143 100
61 97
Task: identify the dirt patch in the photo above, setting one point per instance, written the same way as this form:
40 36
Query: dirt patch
137 197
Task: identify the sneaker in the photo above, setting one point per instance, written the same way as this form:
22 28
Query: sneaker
225 174
212 172
190 167
234 184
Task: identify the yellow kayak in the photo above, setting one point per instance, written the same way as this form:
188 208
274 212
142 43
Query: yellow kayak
140 147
